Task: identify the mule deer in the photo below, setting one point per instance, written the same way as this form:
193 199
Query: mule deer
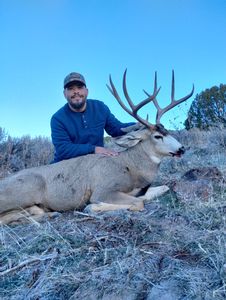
105 183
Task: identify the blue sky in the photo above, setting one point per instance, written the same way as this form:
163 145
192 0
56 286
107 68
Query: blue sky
44 40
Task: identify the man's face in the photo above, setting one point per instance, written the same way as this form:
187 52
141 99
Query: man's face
76 95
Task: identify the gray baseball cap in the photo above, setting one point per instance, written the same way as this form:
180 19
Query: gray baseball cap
73 77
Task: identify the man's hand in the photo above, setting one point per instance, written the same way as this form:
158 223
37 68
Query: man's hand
105 151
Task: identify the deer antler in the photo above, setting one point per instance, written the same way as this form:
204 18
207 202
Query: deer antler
134 107
161 111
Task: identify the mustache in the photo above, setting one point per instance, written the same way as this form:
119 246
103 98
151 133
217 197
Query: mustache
77 95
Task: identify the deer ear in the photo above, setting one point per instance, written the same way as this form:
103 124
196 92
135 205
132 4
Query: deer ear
127 143
134 127
131 139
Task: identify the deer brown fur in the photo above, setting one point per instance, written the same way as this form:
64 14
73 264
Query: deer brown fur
104 182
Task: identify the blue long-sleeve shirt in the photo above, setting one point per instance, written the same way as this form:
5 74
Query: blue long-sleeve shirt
78 133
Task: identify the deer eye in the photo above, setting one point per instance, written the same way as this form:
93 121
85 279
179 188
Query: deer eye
158 137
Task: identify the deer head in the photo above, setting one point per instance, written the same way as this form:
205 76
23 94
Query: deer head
162 142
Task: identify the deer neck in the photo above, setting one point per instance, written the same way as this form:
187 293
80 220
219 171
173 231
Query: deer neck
139 155
151 152
141 167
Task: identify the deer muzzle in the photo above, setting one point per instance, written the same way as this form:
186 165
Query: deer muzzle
180 151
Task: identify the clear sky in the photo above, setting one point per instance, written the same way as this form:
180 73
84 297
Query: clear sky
44 40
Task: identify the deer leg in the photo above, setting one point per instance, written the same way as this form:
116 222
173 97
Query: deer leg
32 214
135 192
20 215
115 201
154 192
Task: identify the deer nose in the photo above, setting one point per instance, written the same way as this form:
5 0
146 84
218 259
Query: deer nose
181 150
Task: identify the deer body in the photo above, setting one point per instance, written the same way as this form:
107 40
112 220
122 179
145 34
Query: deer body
73 183
107 183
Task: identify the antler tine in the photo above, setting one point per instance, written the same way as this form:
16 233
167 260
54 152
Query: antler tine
173 101
150 98
161 111
131 104
134 107
155 93
114 92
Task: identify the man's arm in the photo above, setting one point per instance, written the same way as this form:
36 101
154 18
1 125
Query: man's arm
64 147
113 125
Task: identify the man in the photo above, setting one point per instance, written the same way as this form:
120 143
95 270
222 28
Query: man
78 127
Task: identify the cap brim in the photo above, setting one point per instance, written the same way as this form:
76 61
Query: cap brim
78 82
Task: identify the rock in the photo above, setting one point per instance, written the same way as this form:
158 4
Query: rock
192 191
198 184
212 173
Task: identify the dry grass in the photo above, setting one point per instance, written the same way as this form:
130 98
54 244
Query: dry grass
171 248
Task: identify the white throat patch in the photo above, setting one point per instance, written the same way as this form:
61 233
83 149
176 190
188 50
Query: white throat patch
155 159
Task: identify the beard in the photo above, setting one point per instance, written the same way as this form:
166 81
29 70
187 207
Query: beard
79 104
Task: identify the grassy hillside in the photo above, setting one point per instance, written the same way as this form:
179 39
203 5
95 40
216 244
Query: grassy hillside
174 249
